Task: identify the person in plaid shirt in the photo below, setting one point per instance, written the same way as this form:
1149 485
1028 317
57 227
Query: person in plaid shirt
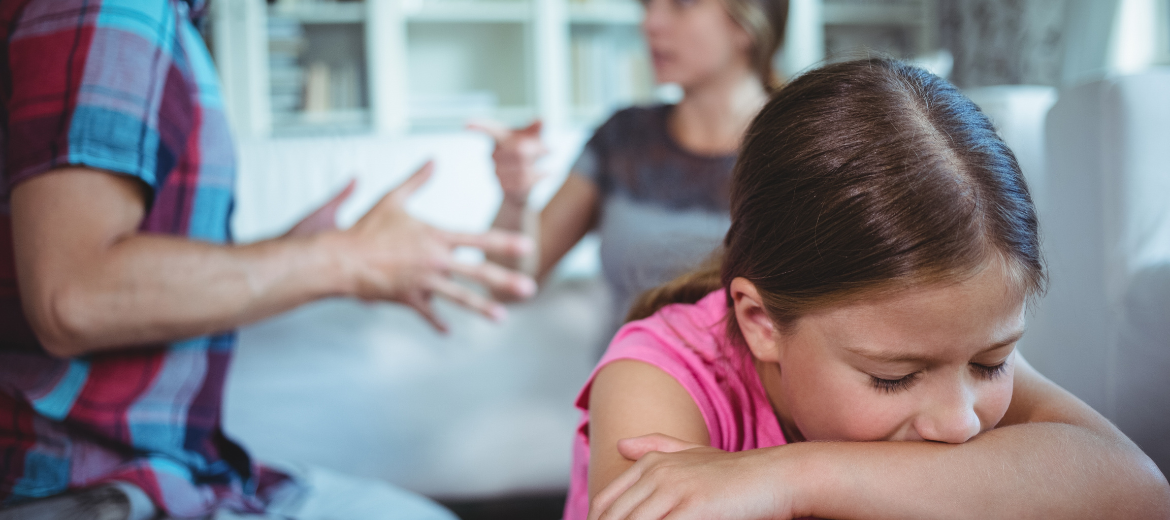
119 285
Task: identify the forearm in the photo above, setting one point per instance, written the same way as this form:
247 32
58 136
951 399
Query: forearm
515 216
148 288
1042 470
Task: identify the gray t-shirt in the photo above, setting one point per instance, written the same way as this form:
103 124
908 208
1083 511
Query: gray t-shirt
664 209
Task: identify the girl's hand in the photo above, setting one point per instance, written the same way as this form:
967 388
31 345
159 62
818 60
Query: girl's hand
679 480
515 156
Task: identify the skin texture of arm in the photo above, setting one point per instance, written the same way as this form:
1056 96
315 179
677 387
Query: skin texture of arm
1051 457
570 214
90 281
566 218
630 399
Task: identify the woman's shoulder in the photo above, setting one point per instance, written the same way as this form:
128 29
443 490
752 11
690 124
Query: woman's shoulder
633 122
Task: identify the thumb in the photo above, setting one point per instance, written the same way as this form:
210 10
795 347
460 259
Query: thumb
412 183
493 129
325 216
341 196
533 130
635 448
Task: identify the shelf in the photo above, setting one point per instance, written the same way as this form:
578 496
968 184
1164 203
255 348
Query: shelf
461 11
318 123
606 12
321 13
454 119
393 66
873 15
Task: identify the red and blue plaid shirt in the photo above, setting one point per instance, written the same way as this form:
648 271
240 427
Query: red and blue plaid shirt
125 86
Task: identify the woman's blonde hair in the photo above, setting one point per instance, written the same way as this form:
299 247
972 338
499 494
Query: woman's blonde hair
765 22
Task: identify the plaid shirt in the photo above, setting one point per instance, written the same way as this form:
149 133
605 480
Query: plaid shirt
125 86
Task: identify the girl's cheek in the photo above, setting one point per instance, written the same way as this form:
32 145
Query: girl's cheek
995 403
890 424
865 415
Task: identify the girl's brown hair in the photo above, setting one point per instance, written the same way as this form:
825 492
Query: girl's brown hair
765 22
862 177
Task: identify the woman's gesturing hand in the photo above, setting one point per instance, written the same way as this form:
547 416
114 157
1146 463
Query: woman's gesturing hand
515 155
388 255
679 480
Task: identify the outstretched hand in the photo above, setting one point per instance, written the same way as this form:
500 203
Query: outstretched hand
515 156
388 255
323 218
680 480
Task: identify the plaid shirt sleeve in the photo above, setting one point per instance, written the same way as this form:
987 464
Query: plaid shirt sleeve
125 86
89 85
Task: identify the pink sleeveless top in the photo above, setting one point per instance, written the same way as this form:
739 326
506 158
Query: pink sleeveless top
689 343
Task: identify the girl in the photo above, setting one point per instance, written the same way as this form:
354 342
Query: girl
654 180
873 286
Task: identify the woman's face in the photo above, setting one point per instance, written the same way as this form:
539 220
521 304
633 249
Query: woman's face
692 41
933 363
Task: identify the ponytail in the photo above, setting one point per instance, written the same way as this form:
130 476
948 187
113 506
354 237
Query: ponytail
688 288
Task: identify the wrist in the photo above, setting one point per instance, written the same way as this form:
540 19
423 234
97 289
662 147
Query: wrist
334 267
516 200
809 474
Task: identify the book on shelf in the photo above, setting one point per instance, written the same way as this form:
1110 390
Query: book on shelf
609 69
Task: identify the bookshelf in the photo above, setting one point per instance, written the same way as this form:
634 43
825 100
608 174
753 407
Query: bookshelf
902 28
393 67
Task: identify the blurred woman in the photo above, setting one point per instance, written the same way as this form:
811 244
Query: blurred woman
654 180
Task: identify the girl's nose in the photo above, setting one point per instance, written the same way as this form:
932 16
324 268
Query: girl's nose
949 418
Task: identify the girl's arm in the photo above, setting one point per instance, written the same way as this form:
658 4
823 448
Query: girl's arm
1052 457
565 219
629 399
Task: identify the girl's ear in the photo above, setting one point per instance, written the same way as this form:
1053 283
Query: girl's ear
758 330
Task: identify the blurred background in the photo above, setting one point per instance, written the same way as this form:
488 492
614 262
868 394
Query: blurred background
323 91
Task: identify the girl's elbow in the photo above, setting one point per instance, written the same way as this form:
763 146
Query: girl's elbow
1157 490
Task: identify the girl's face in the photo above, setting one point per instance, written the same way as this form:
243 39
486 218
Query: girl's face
693 41
933 363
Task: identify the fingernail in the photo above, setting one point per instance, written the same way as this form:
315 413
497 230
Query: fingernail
499 313
526 287
525 245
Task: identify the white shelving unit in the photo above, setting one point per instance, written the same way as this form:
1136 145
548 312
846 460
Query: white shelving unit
902 28
391 67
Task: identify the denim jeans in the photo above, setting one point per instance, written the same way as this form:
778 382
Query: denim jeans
321 494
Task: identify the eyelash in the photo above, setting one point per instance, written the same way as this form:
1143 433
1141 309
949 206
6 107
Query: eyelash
890 386
990 372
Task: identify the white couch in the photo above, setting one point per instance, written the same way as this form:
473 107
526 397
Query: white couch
1098 165
1103 331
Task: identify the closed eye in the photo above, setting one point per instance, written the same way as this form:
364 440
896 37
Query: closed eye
989 372
890 386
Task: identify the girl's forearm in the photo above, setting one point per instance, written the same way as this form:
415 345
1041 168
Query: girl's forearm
1041 470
